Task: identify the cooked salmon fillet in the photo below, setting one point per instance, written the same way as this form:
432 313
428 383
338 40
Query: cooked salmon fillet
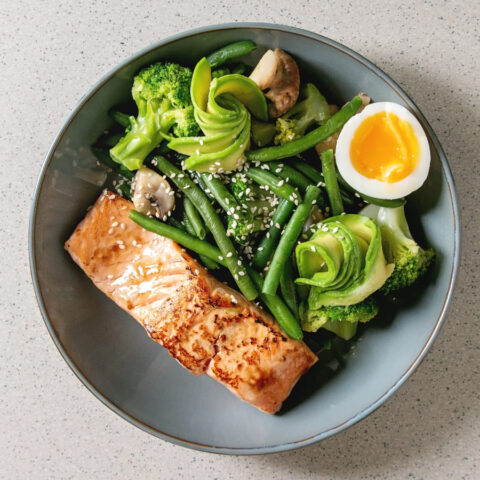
205 325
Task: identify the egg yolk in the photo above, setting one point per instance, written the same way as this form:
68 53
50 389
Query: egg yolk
385 148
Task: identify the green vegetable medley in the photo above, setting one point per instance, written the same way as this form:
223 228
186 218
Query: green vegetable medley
253 199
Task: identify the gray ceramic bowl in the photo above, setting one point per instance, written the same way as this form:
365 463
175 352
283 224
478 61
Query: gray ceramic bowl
109 351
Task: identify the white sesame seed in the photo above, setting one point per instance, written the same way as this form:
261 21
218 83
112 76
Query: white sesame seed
229 254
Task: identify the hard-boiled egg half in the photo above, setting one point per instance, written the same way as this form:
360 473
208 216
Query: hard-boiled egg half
383 151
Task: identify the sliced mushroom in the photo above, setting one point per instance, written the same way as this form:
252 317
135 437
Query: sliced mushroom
277 72
152 194
331 141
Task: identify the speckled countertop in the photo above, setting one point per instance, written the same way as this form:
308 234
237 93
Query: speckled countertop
50 425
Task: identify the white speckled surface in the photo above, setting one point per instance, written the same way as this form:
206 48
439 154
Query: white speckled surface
51 426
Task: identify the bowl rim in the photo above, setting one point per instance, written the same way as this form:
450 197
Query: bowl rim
399 381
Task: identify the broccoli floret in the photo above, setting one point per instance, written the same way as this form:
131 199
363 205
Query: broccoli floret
312 109
162 94
411 261
245 226
341 320
258 207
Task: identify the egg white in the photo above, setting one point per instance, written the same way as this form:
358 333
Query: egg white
370 186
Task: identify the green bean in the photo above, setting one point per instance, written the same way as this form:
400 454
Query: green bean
219 191
188 227
288 239
104 157
125 189
331 184
194 219
239 68
109 140
231 51
177 224
267 243
311 172
276 184
121 118
215 225
290 149
290 175
289 289
279 309
178 235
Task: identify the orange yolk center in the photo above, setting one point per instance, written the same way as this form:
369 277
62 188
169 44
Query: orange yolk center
385 148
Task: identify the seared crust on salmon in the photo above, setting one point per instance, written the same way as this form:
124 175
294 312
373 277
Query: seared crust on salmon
207 326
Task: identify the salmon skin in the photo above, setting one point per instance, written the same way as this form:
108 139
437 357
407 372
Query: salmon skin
205 325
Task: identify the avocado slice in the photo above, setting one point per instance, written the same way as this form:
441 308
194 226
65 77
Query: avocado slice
209 144
201 78
245 90
227 159
222 109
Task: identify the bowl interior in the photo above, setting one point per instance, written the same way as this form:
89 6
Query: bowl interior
136 377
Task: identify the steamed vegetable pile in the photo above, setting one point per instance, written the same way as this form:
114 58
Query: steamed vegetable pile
271 186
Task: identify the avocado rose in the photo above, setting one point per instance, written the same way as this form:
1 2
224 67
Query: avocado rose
222 108
343 261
